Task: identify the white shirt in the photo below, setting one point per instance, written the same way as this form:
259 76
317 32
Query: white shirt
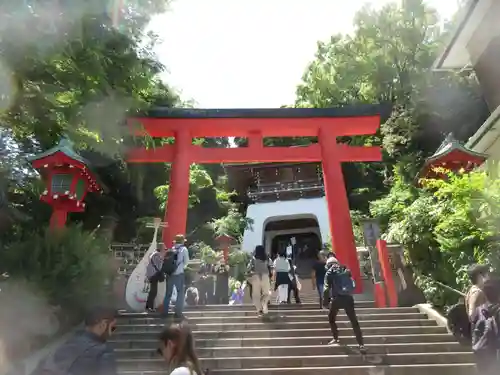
183 371
289 251
281 264
182 259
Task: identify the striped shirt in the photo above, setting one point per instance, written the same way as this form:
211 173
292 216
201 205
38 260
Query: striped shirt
154 265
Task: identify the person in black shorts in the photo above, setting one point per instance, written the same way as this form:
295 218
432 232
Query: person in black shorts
318 275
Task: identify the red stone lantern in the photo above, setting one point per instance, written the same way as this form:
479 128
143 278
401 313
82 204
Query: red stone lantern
224 241
67 178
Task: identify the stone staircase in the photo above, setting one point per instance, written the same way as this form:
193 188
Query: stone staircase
233 340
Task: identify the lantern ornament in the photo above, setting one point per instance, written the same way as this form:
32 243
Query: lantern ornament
224 242
67 178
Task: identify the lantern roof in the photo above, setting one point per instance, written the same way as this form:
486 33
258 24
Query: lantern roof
452 155
449 145
64 146
64 153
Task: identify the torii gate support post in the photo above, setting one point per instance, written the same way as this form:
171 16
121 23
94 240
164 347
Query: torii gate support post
178 194
342 235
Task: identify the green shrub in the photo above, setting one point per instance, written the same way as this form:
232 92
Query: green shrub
445 226
71 267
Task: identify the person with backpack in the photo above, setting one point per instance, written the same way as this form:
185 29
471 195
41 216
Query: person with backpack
87 352
486 329
192 295
155 275
338 288
174 263
293 284
258 271
478 274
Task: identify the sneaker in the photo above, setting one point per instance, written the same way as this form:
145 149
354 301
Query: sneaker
334 342
150 311
362 349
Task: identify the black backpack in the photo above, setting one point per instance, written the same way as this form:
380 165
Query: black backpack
170 262
459 324
343 283
485 329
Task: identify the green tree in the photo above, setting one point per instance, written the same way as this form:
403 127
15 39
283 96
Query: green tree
71 72
444 227
388 59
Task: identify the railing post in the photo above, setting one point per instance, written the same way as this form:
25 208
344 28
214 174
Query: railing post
390 286
379 294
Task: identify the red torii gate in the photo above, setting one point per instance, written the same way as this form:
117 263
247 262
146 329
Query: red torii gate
255 124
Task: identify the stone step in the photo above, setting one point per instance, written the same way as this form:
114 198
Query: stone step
344 328
152 343
316 316
351 359
301 350
287 309
281 324
427 369
359 304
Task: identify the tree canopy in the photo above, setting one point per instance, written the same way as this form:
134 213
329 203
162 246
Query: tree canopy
74 72
388 59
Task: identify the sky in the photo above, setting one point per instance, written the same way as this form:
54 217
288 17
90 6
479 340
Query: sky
250 53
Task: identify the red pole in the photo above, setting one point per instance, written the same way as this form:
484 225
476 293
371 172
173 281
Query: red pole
383 256
178 195
58 218
379 294
338 207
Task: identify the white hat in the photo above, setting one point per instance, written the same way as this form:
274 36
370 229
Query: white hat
331 260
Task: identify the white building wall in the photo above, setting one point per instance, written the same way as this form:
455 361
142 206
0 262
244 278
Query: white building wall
263 213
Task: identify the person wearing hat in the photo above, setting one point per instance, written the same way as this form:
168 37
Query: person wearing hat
177 279
338 288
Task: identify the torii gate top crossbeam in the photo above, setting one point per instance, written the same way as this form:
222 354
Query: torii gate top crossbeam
279 122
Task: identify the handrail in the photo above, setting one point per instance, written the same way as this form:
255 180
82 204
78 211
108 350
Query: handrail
444 285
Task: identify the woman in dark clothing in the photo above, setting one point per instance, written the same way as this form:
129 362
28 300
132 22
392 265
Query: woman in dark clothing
292 286
318 275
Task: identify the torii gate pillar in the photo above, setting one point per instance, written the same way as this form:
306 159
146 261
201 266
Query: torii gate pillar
341 232
178 194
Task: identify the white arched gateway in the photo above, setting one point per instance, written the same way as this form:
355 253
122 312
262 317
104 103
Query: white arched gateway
286 219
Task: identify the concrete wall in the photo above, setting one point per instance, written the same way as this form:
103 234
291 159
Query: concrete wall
264 213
